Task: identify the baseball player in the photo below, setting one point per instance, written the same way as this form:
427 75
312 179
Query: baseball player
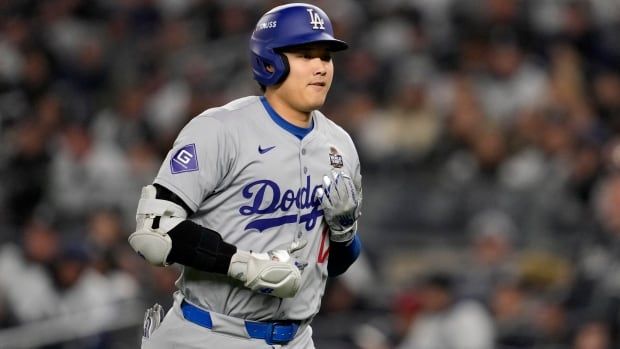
257 199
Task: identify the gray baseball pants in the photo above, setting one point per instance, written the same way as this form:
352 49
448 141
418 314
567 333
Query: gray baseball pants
175 332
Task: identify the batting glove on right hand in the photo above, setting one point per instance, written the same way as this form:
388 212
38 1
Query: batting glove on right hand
341 205
275 273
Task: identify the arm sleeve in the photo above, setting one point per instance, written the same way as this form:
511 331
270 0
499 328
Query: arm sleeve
201 248
342 255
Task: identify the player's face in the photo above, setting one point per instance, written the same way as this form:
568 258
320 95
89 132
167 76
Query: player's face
310 77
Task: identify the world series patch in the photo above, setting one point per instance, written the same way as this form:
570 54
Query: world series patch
335 159
184 160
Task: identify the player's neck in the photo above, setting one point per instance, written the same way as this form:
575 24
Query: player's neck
288 112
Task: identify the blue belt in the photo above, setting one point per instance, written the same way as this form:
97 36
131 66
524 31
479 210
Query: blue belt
276 332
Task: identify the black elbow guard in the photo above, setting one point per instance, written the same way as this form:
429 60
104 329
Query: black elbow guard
201 248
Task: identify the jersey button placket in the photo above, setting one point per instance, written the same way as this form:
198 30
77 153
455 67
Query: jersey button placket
304 171
303 152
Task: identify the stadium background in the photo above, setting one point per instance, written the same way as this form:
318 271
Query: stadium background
487 131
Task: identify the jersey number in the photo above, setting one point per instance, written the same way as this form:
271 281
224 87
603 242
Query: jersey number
324 247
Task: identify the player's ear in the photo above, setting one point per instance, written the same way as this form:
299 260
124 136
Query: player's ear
270 68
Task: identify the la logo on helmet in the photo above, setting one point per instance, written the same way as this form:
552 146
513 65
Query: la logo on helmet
316 20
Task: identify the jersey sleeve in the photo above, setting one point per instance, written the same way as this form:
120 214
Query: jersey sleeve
357 167
357 177
198 161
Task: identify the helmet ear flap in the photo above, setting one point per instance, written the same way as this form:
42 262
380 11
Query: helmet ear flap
286 68
279 64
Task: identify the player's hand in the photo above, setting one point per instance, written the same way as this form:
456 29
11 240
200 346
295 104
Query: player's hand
274 273
341 204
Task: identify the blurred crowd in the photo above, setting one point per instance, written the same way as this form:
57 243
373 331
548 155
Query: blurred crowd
487 130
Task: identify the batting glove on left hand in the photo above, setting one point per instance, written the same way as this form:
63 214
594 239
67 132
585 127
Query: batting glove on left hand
341 205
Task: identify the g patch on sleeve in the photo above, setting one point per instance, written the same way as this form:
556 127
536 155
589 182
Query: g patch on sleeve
184 160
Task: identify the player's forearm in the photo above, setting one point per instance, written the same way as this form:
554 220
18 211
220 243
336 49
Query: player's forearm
194 245
342 255
199 247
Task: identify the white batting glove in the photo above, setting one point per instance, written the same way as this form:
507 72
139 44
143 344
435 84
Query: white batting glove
274 273
341 205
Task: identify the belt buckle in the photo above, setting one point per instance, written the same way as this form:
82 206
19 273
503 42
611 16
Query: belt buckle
280 332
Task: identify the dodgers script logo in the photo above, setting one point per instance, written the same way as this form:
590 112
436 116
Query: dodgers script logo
267 197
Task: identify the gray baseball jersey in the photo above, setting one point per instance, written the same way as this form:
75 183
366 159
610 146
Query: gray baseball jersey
255 183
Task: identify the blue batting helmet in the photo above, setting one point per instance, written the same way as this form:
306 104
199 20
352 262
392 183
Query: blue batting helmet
285 26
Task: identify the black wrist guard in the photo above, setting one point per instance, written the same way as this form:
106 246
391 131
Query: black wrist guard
199 247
